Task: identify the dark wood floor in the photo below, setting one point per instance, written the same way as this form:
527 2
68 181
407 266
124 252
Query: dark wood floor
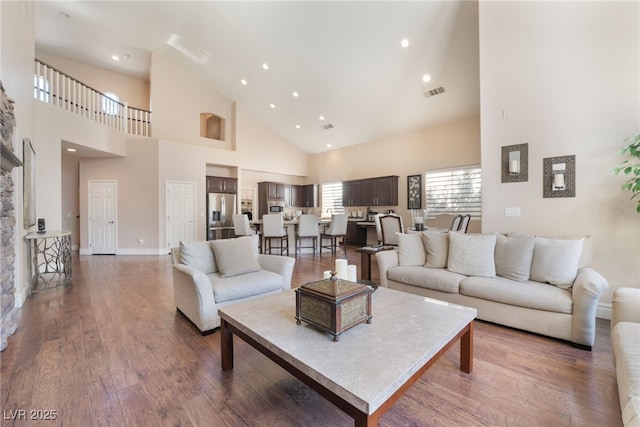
111 351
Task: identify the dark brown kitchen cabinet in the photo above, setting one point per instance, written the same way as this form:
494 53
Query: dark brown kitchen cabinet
220 184
381 191
355 235
307 196
301 196
273 191
352 193
386 191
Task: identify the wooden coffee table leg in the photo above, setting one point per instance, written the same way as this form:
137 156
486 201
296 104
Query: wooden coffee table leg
226 346
466 350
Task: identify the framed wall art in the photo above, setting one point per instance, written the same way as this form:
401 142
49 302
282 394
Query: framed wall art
414 192
29 180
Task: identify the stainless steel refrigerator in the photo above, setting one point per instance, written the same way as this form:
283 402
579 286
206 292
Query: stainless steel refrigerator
220 208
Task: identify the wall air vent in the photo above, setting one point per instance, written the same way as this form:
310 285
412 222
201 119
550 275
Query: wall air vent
327 126
433 92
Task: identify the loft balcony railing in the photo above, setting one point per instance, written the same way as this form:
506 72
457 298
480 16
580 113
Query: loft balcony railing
57 88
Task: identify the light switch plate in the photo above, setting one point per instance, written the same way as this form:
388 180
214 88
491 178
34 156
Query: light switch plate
511 212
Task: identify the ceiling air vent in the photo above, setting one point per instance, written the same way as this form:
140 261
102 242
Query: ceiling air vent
433 92
327 126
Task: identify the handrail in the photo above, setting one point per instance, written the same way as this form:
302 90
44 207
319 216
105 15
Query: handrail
58 88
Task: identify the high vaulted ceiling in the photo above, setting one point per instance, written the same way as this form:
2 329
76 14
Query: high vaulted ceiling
344 59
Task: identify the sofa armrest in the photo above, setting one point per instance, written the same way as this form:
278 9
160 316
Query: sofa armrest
281 265
587 289
625 306
386 260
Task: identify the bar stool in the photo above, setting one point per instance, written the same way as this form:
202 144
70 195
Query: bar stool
307 229
273 229
337 229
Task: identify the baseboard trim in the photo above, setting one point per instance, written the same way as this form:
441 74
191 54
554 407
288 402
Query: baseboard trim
21 297
135 251
604 310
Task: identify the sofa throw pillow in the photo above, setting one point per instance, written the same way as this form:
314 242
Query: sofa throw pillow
199 255
410 249
513 257
555 261
236 256
472 254
436 245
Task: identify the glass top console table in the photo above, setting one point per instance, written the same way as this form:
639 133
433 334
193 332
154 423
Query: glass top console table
50 254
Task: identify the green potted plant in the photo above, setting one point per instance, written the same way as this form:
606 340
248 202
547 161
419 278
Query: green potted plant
631 167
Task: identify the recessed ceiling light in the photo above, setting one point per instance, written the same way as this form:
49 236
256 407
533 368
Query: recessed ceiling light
297 126
426 78
126 56
115 58
295 94
404 42
329 145
244 82
72 150
272 105
321 117
265 66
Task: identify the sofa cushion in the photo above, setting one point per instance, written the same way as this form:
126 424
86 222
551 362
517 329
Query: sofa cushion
244 285
437 246
472 254
555 261
437 279
198 255
513 257
410 249
236 256
539 296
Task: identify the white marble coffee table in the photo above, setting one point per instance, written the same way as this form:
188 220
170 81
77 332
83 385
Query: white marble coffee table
372 365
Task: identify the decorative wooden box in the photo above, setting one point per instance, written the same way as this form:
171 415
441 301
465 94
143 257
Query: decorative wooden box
333 305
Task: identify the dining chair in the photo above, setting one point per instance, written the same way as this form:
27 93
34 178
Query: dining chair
273 229
242 227
464 223
455 225
337 229
387 226
307 229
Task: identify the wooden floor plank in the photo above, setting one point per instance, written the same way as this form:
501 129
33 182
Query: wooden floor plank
111 350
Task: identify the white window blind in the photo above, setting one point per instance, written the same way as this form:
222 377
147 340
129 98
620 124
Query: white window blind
454 191
331 198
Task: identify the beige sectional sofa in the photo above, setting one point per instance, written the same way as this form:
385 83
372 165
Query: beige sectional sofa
208 275
625 339
537 284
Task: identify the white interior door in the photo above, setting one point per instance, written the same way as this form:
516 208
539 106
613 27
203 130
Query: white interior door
181 212
103 212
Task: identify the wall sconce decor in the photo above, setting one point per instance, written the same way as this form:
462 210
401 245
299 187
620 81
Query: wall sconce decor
559 176
515 163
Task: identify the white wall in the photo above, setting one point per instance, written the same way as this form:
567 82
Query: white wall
178 98
70 197
16 73
137 204
568 73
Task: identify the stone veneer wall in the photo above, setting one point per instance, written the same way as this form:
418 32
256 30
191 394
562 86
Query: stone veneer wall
8 321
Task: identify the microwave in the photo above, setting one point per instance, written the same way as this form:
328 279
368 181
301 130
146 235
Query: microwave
276 209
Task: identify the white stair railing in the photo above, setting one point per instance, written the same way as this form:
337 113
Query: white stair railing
57 88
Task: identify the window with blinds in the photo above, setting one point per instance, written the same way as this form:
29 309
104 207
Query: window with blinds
454 191
331 197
